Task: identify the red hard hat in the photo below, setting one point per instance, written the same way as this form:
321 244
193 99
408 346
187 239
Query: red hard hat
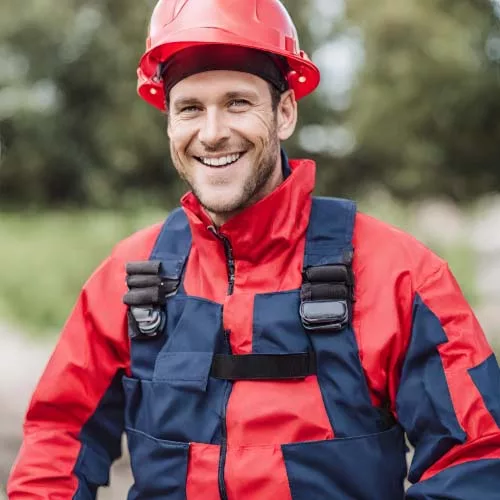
258 24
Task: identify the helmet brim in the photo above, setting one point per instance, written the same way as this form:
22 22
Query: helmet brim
303 78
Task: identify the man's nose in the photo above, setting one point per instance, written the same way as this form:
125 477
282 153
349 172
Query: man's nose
214 129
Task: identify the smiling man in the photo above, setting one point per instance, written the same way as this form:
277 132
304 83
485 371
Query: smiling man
261 343
228 110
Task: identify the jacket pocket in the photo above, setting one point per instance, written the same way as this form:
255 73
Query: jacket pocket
173 409
159 467
371 467
184 370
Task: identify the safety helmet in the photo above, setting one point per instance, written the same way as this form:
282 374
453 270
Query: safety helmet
257 24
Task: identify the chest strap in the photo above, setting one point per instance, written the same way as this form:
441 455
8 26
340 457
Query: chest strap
263 366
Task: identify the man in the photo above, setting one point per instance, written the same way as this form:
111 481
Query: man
271 345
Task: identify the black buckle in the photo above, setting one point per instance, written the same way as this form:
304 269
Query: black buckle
148 291
324 314
326 297
149 322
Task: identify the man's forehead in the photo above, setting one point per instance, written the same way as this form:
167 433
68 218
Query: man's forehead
242 63
218 83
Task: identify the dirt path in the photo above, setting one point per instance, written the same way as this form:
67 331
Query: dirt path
21 364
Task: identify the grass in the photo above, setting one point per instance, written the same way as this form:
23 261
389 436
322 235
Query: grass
48 256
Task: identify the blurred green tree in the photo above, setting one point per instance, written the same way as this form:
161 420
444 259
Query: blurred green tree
73 130
422 117
426 104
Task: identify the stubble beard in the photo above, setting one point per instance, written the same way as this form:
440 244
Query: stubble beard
253 186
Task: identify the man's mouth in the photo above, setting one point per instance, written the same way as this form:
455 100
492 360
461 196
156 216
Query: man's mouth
219 161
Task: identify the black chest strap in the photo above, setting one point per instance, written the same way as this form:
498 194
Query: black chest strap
263 366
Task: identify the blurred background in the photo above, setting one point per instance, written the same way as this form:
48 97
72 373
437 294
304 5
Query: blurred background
406 121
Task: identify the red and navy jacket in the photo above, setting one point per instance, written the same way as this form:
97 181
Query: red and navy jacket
411 359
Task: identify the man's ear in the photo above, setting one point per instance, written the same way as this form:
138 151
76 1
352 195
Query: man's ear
287 115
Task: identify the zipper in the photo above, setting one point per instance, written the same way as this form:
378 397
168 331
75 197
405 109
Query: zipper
223 446
230 289
229 257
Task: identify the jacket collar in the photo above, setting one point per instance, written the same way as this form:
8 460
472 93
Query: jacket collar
267 229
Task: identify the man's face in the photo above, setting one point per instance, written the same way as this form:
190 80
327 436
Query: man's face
224 138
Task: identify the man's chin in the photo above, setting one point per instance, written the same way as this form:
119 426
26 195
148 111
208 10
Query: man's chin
219 205
221 208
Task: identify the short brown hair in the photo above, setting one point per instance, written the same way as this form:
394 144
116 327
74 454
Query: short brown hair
275 96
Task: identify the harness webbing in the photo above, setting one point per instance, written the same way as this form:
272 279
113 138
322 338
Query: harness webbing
327 291
151 282
263 366
326 295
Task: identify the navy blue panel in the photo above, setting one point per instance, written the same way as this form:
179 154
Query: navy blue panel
143 354
172 248
174 410
186 370
101 441
173 244
478 480
364 468
329 235
159 468
486 376
424 403
86 491
193 324
285 166
340 374
343 385
277 328
179 401
92 471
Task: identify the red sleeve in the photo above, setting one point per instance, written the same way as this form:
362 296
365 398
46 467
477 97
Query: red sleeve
449 396
74 422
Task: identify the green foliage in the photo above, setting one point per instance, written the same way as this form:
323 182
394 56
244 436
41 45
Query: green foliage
421 117
50 255
73 129
426 106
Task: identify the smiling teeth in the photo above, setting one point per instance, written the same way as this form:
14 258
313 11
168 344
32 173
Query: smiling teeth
220 162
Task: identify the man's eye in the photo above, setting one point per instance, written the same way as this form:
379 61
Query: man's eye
238 103
190 109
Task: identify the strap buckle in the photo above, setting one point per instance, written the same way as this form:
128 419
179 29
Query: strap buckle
326 297
324 314
146 298
149 321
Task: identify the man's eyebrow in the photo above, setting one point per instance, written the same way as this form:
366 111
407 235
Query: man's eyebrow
238 94
183 102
